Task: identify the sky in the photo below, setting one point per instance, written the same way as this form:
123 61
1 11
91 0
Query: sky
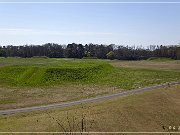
122 24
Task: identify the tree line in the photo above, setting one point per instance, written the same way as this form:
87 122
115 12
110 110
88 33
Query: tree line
74 50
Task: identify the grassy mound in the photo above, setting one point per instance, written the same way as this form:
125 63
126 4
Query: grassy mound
74 74
43 76
38 72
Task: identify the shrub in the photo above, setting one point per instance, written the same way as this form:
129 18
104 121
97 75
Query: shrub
110 55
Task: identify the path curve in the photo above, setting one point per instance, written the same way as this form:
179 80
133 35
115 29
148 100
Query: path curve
61 105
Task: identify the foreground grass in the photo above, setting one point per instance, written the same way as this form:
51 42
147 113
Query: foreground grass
37 81
25 97
148 111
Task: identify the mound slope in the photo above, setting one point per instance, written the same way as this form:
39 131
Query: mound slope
40 75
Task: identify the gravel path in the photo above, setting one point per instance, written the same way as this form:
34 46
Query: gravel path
61 105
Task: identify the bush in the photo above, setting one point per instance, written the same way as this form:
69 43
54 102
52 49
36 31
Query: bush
110 55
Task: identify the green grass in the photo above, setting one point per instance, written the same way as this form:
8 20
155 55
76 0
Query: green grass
7 101
78 74
39 81
33 76
38 72
128 78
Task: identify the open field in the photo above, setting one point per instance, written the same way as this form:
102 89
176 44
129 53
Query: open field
148 111
85 101
38 81
17 98
90 67
171 65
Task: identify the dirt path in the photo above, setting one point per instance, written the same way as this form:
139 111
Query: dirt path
61 105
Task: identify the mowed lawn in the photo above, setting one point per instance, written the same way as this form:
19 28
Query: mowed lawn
152 111
38 81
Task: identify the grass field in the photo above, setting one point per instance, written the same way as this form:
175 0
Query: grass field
39 81
36 81
165 65
147 112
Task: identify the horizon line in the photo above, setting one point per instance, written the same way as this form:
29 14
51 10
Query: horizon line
88 2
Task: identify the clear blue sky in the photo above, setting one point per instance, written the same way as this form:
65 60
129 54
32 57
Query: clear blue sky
132 24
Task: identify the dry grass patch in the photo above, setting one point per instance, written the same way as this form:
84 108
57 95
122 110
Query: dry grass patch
148 111
25 97
144 64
